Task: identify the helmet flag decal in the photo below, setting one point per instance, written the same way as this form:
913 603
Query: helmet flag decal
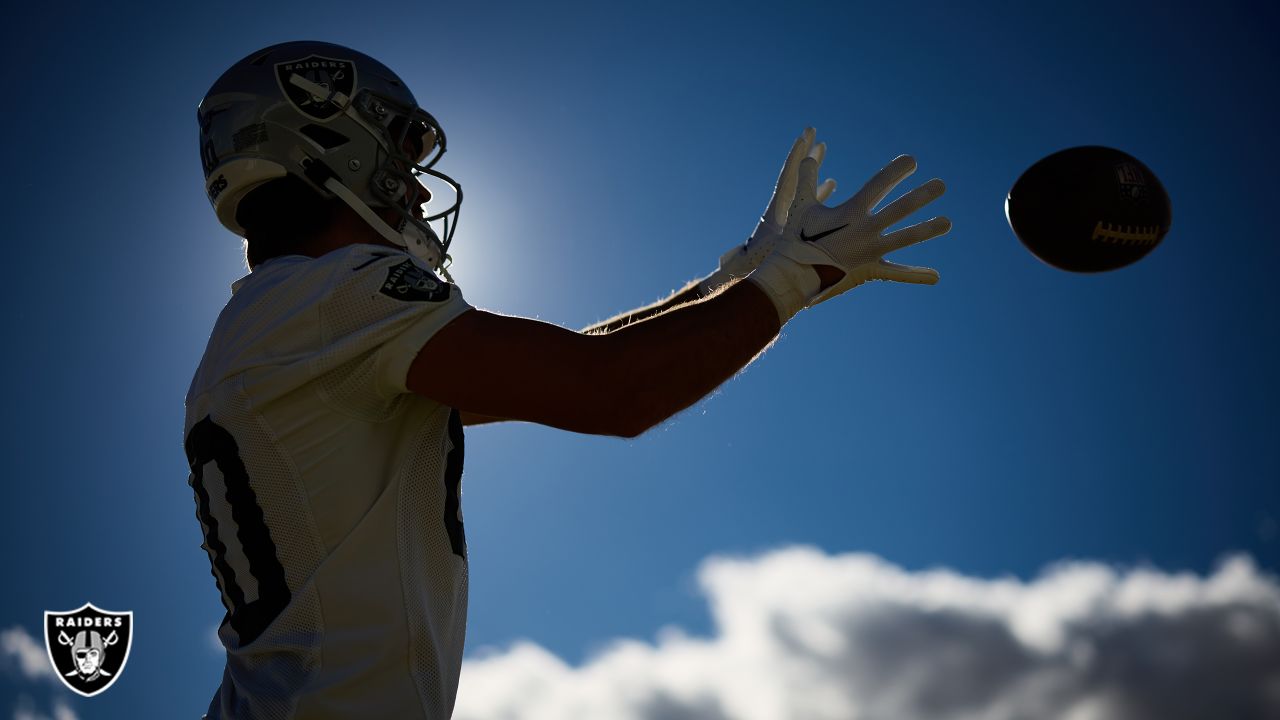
336 76
88 647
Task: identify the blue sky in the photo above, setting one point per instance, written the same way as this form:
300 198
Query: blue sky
1009 418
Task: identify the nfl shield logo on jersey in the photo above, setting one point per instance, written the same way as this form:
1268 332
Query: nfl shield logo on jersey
88 647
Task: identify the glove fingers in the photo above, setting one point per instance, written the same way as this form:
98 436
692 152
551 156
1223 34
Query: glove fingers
828 186
879 270
807 184
819 152
881 184
900 209
784 192
913 234
886 270
825 190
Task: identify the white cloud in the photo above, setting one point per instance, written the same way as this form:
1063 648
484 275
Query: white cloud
17 646
802 634
26 710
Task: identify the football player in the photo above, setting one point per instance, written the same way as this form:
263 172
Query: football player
324 425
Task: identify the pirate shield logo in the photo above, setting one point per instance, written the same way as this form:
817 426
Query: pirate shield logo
321 81
409 282
88 647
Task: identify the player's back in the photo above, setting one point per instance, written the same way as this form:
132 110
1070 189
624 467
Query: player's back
328 495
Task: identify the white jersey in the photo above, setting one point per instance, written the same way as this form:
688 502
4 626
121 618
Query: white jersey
329 496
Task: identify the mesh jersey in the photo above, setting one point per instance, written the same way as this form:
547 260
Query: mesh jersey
329 495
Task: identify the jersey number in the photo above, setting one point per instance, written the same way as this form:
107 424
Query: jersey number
241 552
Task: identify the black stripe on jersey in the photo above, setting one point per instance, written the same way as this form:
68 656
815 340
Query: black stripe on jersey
210 442
453 486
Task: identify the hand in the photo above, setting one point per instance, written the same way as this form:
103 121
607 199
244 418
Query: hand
850 237
740 260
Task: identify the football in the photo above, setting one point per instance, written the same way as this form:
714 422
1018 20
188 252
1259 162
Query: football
1089 209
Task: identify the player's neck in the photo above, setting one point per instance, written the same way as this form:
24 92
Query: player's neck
347 228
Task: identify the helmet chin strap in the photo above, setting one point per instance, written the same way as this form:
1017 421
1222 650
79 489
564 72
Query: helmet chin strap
407 236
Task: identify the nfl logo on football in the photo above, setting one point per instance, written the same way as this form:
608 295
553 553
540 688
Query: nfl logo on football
88 647
1132 183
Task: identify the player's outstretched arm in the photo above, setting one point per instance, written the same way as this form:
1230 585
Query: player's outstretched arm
620 383
624 382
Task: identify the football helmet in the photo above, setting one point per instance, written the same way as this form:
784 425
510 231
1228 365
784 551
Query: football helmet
344 124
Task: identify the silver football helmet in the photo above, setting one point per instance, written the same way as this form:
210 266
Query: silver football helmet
344 124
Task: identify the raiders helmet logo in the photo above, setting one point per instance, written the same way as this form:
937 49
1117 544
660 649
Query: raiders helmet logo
409 282
88 647
332 75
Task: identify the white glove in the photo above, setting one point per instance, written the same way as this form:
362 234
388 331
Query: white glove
850 237
740 260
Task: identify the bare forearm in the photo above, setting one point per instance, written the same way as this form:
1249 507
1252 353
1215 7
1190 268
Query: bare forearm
670 361
619 383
